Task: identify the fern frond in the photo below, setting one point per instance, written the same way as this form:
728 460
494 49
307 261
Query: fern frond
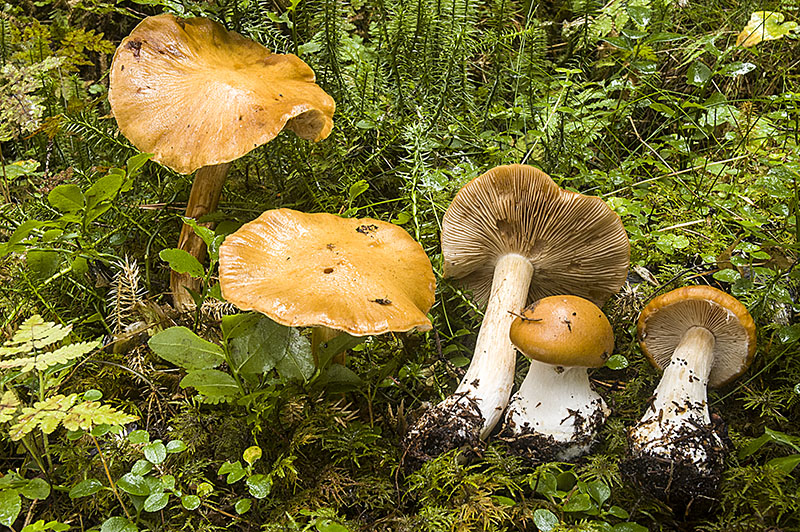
62 355
59 409
9 404
34 334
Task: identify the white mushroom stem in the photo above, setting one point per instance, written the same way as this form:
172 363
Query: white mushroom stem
491 373
679 406
560 403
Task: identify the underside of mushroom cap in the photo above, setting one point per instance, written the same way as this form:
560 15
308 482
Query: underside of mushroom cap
195 94
362 276
576 244
664 321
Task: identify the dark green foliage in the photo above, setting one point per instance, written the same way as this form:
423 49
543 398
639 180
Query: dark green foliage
647 103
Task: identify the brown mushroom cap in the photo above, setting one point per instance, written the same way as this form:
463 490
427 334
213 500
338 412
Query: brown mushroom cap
564 331
362 276
195 94
576 244
665 320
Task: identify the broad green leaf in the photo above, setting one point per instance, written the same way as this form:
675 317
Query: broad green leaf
142 467
133 484
176 446
67 198
87 487
252 454
765 26
599 491
789 333
36 488
579 502
546 484
738 69
786 464
155 502
212 383
92 395
135 163
155 452
190 502
259 486
183 348
205 234
234 470
357 188
22 232
182 262
698 73
327 525
43 264
105 188
640 15
139 436
258 344
617 362
727 276
545 520
168 482
118 524
242 506
10 506
619 513
19 168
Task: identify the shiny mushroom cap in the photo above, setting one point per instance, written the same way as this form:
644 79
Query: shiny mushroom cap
576 244
195 94
665 320
361 276
565 331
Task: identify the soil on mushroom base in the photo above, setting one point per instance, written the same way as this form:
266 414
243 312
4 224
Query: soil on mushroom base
443 428
537 448
676 480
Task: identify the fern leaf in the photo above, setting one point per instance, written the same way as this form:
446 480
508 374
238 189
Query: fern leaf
41 362
9 405
45 414
86 415
34 333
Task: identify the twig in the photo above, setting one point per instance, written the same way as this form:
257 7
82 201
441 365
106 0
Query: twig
108 475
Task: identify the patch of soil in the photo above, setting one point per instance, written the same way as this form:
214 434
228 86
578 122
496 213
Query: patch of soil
455 423
690 490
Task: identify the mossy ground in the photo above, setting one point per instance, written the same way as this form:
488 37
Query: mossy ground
646 103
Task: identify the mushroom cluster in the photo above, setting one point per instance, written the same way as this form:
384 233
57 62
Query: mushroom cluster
513 236
198 97
699 336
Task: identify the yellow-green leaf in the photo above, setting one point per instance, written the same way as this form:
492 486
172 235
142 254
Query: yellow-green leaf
765 26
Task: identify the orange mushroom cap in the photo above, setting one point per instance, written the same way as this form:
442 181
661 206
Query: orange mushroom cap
665 320
361 276
564 331
195 94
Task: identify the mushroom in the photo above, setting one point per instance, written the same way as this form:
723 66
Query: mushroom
699 336
198 97
512 235
555 413
361 276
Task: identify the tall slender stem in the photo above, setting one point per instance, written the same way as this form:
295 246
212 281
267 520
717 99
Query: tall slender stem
203 199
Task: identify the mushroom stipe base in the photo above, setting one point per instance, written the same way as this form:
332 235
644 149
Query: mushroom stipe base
689 490
453 424
537 448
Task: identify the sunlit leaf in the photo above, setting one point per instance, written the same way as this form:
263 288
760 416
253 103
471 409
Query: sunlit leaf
765 26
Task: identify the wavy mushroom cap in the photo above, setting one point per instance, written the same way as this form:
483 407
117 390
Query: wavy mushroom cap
665 320
564 331
195 94
362 276
576 244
